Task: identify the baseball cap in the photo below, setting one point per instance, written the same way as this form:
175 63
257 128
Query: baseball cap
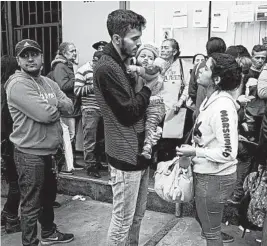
26 44
97 44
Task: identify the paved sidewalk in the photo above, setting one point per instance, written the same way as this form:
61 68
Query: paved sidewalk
89 221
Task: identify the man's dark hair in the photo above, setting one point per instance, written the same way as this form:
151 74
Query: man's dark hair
215 45
226 67
175 46
237 51
8 66
122 21
242 51
258 48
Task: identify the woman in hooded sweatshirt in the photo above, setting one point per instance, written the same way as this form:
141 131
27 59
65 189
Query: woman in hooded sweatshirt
64 67
215 144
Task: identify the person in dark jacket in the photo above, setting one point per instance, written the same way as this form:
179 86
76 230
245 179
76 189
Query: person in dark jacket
64 67
261 158
261 152
9 215
123 111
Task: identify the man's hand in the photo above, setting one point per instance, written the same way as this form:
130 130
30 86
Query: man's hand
177 107
243 99
186 150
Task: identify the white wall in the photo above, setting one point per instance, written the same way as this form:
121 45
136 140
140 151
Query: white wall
247 34
193 40
84 23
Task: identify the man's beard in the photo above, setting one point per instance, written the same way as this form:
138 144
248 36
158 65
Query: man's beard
124 50
35 73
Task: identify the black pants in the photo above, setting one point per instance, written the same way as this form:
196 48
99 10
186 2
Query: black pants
12 204
38 187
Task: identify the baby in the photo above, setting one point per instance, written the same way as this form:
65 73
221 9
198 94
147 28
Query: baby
149 68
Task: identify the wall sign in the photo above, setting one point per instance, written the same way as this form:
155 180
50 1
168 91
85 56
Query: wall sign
200 17
219 20
179 19
242 13
261 13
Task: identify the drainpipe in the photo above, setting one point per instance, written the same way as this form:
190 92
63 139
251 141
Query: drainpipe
124 4
209 27
10 29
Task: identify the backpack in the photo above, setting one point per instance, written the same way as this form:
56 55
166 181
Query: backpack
255 185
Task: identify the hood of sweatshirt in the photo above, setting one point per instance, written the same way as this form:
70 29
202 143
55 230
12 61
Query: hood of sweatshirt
60 59
215 96
16 75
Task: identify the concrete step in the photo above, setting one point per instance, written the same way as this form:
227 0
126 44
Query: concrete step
100 190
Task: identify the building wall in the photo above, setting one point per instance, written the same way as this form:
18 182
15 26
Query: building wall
193 40
84 23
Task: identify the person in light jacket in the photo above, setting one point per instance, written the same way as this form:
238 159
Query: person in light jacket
215 144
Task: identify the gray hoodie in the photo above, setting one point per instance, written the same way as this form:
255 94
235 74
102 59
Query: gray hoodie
35 105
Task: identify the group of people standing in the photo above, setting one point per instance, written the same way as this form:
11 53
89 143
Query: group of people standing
133 96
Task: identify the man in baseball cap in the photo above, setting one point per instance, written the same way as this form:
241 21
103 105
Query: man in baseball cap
27 44
36 104
99 45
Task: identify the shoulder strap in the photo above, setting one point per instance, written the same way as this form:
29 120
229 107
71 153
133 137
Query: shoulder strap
197 68
181 70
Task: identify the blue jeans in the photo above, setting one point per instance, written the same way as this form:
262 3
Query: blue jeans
90 121
129 205
211 193
38 187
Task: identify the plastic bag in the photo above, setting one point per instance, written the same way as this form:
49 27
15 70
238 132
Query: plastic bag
174 183
67 147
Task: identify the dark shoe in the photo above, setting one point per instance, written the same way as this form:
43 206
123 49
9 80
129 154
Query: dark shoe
234 200
56 205
101 167
12 225
57 237
226 238
77 166
93 172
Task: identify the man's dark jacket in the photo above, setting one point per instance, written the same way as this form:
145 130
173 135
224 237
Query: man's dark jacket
123 111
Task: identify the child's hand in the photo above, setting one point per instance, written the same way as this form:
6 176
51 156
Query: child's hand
131 69
161 64
151 70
